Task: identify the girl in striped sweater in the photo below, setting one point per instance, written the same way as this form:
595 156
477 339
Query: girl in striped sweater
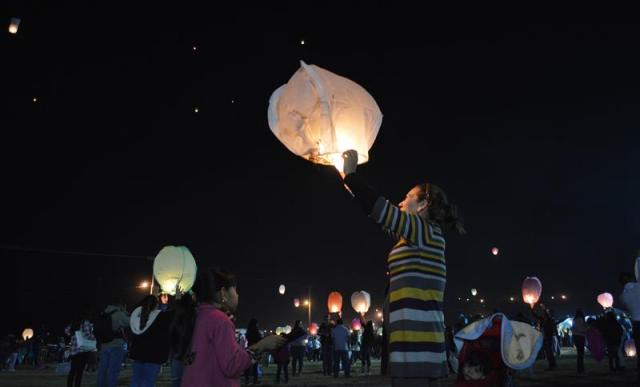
417 275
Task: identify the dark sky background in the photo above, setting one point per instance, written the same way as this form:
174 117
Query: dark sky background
530 128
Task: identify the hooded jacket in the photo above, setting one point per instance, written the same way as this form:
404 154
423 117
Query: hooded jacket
151 343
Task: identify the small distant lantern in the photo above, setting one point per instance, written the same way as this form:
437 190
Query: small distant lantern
495 251
173 268
356 324
279 331
605 300
27 334
313 329
474 292
361 301
334 302
531 290
318 115
296 302
281 289
630 348
13 25
287 329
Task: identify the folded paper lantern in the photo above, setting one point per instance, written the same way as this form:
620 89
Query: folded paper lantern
318 115
173 268
531 290
361 301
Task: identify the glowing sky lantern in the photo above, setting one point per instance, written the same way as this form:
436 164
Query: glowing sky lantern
313 329
630 348
531 290
173 268
605 300
27 334
296 302
495 251
279 331
318 115
356 324
287 329
13 25
281 289
474 291
334 302
361 301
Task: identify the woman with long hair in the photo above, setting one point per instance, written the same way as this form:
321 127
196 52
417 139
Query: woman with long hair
205 335
79 355
417 274
149 341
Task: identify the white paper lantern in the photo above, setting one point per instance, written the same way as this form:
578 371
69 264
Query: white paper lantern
474 291
279 330
605 300
27 334
13 25
318 115
531 290
287 329
174 267
495 251
630 348
281 289
361 301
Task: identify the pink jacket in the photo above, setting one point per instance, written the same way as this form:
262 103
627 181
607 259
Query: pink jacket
219 360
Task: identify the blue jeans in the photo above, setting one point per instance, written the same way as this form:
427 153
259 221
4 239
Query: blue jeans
341 357
177 369
144 374
110 365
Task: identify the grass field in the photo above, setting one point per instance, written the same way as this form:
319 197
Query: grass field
597 375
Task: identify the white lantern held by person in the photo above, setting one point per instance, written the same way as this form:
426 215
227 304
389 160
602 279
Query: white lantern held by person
27 333
630 348
318 115
531 290
605 300
361 301
174 268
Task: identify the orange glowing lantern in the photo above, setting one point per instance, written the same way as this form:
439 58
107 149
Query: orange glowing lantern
313 329
605 300
334 302
531 290
27 334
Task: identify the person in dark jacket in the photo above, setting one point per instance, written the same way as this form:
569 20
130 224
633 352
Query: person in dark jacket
326 346
612 333
367 345
253 336
297 347
549 330
150 341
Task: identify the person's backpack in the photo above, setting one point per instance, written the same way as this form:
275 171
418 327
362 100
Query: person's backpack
102 328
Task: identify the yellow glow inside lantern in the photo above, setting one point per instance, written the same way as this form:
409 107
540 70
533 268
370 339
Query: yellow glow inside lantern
13 26
630 348
27 334
174 267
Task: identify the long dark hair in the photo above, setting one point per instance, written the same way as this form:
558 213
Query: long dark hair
148 304
84 313
439 210
205 290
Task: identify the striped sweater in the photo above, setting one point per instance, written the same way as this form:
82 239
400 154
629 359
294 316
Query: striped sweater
417 273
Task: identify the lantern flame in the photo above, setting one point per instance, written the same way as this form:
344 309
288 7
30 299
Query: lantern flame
630 348
13 26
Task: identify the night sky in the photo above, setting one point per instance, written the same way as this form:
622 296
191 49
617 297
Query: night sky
531 129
